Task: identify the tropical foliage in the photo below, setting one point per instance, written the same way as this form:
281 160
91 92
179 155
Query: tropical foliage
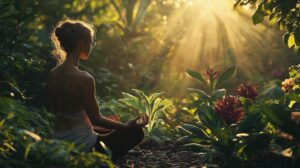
285 13
20 146
240 130
152 105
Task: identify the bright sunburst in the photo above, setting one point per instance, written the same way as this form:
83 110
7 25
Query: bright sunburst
213 33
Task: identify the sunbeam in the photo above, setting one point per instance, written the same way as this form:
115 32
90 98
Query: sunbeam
213 33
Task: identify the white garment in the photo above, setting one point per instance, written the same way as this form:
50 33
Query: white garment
82 134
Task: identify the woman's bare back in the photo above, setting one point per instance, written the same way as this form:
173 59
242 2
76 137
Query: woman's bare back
64 89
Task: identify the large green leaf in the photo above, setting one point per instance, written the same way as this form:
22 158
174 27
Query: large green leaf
258 17
132 101
161 105
257 143
273 92
201 93
144 101
166 103
196 131
220 93
153 96
142 95
156 105
183 139
157 114
129 5
250 122
141 11
196 75
183 131
229 73
280 117
210 119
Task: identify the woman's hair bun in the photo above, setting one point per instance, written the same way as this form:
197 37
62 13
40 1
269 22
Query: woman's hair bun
67 33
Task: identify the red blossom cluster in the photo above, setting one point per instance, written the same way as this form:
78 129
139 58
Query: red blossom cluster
248 90
211 74
230 109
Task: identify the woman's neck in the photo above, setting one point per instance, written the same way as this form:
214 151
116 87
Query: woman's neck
72 59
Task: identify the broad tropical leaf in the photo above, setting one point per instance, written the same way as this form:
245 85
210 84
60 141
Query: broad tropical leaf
196 131
141 11
273 92
209 118
201 93
219 93
196 75
229 73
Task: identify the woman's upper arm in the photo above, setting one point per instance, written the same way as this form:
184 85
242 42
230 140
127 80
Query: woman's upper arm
89 99
92 109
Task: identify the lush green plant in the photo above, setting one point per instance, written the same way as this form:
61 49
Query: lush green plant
152 105
20 146
286 13
19 116
283 113
233 131
211 82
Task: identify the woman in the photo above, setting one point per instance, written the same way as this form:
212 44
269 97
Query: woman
71 95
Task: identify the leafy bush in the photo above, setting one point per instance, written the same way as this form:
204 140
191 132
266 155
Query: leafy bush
21 147
286 13
211 82
152 105
234 131
283 113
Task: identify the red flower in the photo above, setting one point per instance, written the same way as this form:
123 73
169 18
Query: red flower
211 74
248 90
229 109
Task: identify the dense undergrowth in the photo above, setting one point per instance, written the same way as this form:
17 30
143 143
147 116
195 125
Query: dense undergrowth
254 128
26 140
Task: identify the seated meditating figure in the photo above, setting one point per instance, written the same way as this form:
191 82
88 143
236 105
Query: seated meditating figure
71 94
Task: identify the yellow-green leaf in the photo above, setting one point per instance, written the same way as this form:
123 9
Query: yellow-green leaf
33 135
291 41
292 102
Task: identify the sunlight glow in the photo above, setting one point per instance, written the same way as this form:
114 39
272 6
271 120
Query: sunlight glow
214 34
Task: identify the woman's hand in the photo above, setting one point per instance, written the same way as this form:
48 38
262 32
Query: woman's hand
140 121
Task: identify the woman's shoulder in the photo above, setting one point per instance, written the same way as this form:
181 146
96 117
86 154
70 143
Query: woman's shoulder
86 78
86 81
85 75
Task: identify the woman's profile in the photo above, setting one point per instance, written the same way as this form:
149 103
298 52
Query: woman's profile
71 94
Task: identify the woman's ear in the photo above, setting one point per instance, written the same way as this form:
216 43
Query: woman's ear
83 55
81 50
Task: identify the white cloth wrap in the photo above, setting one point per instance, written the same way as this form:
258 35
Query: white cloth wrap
80 135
